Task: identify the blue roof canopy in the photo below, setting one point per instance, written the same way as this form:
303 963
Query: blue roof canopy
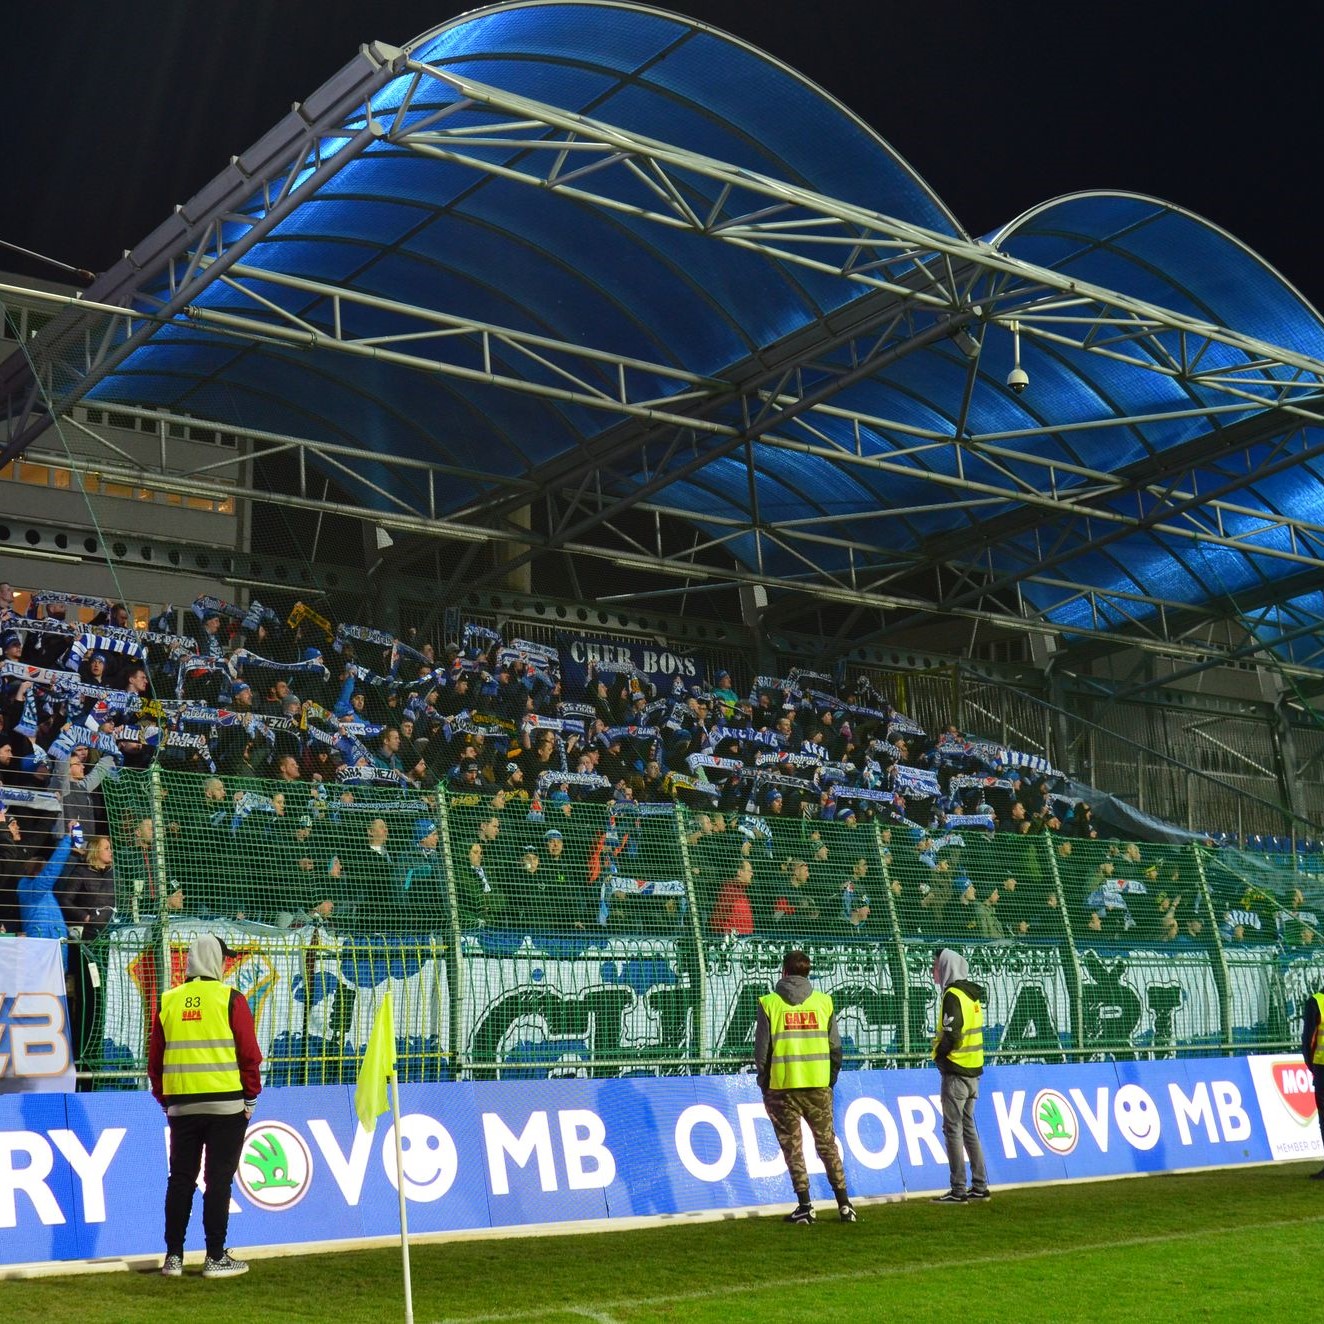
808 326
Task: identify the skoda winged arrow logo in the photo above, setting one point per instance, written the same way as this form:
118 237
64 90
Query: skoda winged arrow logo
275 1166
1056 1122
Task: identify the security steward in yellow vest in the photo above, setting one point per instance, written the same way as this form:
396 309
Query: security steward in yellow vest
203 1062
958 1049
1312 1049
797 1054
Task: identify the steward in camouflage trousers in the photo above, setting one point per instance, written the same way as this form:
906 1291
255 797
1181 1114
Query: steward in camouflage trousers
797 1053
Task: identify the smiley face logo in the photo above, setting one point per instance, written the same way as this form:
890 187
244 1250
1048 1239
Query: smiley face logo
428 1157
1137 1117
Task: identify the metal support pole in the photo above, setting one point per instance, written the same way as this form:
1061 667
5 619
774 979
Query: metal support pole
903 976
1077 1000
1288 768
159 883
455 957
1222 975
700 972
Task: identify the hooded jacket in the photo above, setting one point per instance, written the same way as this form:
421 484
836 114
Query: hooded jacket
793 989
206 960
952 971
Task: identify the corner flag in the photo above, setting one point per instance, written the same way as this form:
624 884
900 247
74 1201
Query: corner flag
370 1099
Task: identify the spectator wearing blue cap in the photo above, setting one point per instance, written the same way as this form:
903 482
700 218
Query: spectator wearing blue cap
315 685
724 696
425 835
93 670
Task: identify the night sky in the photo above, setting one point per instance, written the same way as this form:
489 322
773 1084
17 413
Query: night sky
116 112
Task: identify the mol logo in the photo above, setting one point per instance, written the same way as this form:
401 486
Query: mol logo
1296 1088
1055 1121
275 1166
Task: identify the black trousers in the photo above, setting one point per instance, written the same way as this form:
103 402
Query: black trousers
222 1137
1318 1073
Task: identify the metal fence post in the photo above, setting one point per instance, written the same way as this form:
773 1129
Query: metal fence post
1077 970
1222 974
455 999
700 971
155 800
903 975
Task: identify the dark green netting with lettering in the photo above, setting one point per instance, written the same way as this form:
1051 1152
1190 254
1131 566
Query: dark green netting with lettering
528 938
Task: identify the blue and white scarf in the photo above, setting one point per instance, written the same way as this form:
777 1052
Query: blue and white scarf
591 781
900 724
97 641
915 781
312 667
364 773
48 596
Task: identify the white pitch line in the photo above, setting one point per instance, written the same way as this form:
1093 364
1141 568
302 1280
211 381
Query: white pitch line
864 1275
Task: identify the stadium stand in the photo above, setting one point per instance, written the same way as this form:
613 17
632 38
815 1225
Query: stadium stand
587 853
570 867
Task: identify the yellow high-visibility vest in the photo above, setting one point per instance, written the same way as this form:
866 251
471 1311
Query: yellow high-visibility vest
1317 1057
200 1058
801 1050
968 1051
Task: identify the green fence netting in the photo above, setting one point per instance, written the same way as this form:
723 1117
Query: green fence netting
523 938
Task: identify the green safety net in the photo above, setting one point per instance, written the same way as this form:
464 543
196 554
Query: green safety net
525 938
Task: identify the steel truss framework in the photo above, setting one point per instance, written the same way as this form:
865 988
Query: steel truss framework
1259 404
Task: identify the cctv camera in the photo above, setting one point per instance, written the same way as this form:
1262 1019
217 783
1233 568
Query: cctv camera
1017 379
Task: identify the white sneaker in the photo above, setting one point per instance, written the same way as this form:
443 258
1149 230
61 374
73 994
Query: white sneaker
226 1267
172 1266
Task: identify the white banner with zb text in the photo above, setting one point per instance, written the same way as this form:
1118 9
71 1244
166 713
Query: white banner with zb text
35 1049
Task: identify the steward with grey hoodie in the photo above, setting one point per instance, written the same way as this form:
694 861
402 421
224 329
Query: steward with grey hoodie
203 1063
958 1049
950 971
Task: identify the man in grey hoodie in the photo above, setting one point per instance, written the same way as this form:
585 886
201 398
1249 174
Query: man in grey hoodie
958 1049
203 1063
797 1053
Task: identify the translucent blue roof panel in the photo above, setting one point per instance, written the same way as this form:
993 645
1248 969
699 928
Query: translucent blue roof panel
926 454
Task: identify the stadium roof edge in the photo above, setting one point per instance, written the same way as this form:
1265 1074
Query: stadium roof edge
544 232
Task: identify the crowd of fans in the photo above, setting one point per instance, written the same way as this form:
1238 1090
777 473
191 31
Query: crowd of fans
321 748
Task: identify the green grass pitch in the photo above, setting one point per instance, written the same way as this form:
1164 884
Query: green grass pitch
1219 1245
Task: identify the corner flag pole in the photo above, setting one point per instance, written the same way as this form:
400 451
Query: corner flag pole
375 1071
400 1191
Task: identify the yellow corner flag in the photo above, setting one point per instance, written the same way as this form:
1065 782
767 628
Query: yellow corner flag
378 1063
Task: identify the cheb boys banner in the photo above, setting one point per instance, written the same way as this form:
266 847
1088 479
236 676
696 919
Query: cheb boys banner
611 658
35 1051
